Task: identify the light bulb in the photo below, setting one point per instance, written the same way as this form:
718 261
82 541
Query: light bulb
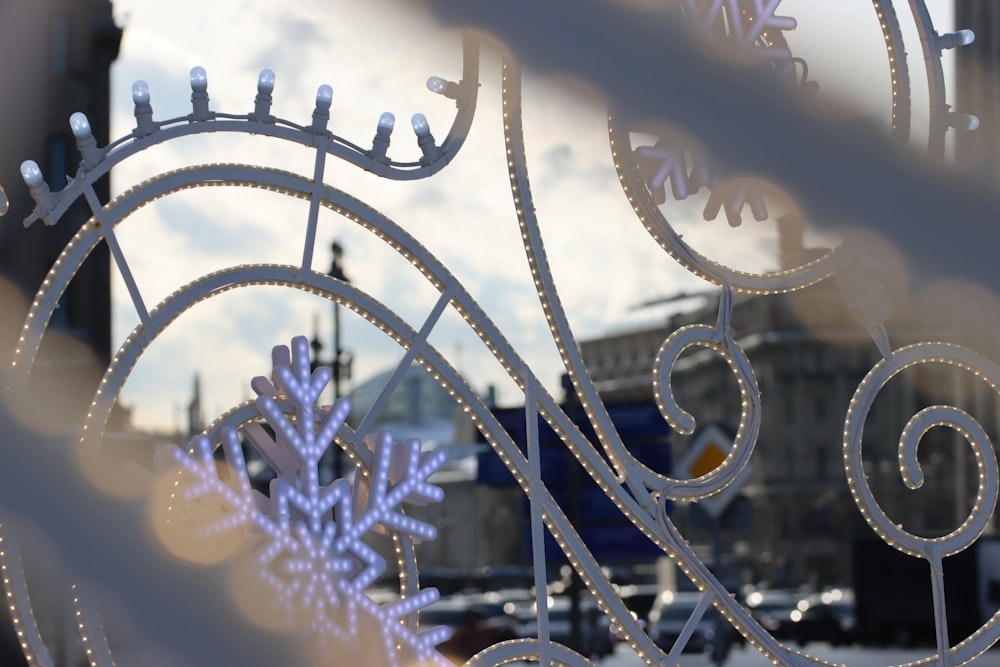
265 82
420 125
386 122
199 79
324 97
436 84
31 174
963 121
964 37
80 126
140 92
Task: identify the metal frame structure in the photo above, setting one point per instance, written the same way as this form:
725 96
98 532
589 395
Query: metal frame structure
640 493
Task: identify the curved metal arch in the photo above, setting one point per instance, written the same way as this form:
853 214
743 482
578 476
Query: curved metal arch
466 94
397 238
660 229
298 186
383 318
639 478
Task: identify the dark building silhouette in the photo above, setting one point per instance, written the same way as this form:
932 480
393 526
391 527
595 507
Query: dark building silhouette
977 83
57 56
63 52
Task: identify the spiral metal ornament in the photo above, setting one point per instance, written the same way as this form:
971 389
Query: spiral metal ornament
933 550
755 31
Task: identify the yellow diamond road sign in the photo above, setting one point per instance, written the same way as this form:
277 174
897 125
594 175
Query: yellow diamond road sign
708 460
705 454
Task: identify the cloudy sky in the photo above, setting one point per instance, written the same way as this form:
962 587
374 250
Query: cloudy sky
377 55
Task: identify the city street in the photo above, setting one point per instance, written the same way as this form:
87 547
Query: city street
851 656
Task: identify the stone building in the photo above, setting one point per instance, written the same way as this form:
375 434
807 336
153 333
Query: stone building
977 83
809 356
58 55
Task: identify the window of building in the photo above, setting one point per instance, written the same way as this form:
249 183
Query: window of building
57 162
59 44
819 408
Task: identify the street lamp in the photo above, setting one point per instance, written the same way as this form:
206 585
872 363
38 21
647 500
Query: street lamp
340 364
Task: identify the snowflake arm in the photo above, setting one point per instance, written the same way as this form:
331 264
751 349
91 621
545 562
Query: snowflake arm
382 501
238 504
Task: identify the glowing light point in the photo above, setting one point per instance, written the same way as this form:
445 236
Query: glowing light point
420 125
386 122
265 82
199 79
80 126
436 84
31 173
425 139
324 97
963 121
953 40
380 142
140 92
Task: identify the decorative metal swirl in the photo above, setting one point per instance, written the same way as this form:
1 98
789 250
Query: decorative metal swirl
720 340
651 214
641 493
933 550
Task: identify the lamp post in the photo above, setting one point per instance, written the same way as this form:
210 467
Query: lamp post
331 467
340 363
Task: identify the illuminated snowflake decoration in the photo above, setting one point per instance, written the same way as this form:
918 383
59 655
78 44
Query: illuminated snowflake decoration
747 24
313 558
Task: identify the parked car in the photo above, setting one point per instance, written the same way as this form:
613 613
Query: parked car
595 628
826 617
639 599
773 609
474 623
671 613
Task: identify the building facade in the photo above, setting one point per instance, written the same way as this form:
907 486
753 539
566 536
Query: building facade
58 56
809 356
977 83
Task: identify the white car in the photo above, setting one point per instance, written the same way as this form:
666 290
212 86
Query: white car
671 613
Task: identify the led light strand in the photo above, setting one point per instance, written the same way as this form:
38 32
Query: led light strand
528 650
933 550
91 632
322 564
559 328
19 602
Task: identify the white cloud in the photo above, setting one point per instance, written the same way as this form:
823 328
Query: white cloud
376 56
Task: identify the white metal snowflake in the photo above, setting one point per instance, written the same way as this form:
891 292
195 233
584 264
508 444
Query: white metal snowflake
746 24
313 559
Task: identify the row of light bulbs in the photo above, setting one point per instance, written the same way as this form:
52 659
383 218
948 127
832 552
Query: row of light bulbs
91 154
